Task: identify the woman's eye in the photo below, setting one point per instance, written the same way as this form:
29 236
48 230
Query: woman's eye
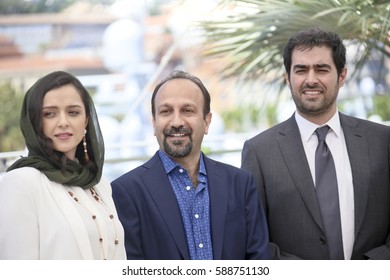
48 114
74 113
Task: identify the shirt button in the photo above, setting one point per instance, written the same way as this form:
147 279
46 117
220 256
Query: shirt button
200 245
196 216
188 188
181 170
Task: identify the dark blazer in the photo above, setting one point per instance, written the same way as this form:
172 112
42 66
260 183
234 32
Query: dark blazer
151 218
277 160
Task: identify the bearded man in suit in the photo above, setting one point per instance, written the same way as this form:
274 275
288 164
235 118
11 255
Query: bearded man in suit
181 204
282 160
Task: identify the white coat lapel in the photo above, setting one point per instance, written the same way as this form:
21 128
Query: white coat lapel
61 196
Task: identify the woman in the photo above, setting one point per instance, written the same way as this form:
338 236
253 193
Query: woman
53 203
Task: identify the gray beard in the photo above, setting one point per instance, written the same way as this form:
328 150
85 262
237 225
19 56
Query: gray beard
177 151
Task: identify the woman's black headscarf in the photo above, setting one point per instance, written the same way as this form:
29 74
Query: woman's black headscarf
41 154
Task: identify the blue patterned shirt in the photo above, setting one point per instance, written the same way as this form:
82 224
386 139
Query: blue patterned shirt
194 204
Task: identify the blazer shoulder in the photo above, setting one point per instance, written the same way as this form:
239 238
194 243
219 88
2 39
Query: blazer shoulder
28 177
23 183
139 171
355 122
214 167
269 134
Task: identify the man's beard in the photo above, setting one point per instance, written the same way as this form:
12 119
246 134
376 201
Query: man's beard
315 109
176 149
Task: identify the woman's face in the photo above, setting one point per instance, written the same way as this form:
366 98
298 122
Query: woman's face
64 119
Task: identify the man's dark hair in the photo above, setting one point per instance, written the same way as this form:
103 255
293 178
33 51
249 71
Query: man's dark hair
316 37
187 76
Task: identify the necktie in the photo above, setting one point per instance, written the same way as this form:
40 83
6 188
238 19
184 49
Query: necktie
327 195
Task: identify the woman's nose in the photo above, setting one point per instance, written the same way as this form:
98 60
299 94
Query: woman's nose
63 120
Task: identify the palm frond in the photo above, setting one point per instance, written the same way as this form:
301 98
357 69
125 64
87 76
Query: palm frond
251 34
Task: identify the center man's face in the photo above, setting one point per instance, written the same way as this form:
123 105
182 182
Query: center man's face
179 123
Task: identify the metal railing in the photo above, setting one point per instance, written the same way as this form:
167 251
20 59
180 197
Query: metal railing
216 146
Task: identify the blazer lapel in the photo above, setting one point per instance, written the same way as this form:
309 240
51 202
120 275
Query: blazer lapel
218 206
357 148
291 147
160 189
60 195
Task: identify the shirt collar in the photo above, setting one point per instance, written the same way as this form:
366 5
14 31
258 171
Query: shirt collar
307 128
170 164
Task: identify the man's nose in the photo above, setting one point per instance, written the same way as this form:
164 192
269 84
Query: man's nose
177 120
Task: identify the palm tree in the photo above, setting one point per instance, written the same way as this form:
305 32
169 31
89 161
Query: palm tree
252 33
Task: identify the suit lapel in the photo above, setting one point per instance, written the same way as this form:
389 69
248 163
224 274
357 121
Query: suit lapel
163 196
290 144
218 206
357 148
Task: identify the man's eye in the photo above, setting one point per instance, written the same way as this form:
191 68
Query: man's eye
165 111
